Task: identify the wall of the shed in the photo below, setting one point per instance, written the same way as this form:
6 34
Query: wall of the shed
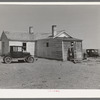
53 51
65 46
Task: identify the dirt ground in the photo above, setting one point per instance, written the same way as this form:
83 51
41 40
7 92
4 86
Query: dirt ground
50 74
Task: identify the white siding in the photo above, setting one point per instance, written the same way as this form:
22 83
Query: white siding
31 47
15 43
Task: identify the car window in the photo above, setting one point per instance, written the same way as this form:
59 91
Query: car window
19 49
87 50
15 49
92 50
96 50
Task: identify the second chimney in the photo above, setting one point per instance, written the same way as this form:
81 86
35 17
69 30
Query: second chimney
31 30
54 30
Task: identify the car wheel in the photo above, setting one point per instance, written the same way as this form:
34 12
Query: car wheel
30 59
7 60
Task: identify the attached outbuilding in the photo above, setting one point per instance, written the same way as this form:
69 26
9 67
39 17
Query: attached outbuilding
26 40
58 45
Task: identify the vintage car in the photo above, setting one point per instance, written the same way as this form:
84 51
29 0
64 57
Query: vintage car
17 52
92 52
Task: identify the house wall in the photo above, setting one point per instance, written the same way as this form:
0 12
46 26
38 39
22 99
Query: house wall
53 51
15 43
4 44
65 46
30 46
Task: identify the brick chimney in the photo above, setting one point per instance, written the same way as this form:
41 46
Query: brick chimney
31 30
54 30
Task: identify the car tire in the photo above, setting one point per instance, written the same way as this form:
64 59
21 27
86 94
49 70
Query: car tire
30 59
7 60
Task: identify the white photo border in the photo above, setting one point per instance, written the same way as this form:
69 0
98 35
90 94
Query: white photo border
49 93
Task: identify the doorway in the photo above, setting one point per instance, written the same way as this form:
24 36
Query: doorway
71 51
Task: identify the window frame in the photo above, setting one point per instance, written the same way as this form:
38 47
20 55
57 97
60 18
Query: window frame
47 44
24 46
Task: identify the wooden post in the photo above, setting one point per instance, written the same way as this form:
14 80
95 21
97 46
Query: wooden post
63 51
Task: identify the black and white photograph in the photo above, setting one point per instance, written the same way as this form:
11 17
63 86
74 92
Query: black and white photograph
50 47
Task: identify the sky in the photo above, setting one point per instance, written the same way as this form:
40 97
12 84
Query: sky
79 21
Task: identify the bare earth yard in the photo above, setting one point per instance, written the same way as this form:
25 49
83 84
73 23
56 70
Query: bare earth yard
50 74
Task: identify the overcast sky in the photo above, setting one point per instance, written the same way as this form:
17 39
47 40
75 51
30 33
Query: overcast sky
81 22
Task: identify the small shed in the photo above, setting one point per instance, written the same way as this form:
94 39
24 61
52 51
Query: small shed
58 45
9 39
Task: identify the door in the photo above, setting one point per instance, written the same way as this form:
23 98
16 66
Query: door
71 51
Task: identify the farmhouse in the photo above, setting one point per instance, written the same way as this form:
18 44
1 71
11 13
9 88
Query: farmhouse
26 40
58 45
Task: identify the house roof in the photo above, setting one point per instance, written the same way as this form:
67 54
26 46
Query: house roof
38 36
47 35
68 39
19 36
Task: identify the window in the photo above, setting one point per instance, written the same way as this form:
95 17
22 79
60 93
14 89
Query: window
15 49
72 43
47 44
19 48
96 50
87 50
24 46
92 50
